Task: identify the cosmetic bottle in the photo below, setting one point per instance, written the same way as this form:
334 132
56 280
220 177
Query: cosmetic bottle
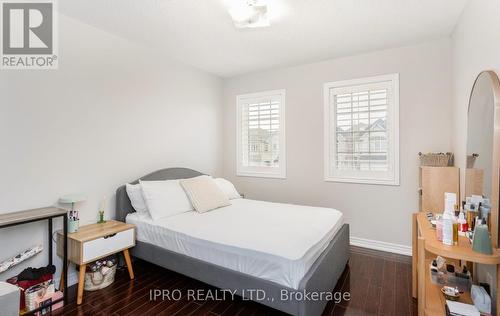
448 228
439 228
482 240
471 216
455 231
462 224
485 212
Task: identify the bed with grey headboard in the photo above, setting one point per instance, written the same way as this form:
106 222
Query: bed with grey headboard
321 277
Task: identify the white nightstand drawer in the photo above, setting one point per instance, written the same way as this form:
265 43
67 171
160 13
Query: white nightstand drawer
110 244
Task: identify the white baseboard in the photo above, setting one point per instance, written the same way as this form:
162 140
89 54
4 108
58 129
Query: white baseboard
381 245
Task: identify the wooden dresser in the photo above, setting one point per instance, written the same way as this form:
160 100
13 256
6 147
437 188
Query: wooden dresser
425 248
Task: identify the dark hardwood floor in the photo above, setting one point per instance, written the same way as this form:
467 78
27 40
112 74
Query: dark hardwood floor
379 284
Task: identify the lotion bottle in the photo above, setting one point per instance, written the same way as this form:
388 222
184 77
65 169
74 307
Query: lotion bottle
462 224
448 228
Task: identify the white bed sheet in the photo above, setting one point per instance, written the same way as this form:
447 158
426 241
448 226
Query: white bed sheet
272 241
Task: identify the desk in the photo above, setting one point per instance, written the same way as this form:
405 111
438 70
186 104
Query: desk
40 214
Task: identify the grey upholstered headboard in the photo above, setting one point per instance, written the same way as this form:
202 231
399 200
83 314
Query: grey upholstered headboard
123 206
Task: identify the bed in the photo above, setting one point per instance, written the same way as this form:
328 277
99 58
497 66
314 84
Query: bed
249 245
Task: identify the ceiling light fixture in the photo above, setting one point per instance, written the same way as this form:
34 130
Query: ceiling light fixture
249 13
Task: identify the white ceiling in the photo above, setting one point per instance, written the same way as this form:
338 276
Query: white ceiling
201 32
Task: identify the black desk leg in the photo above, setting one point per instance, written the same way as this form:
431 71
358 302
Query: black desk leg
65 258
50 241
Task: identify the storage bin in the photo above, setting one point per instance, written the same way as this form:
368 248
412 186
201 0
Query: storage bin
102 277
9 299
436 159
25 284
38 293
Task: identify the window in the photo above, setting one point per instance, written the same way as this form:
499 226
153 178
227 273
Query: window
261 134
362 130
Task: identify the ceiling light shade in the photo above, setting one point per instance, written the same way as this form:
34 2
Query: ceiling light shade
249 13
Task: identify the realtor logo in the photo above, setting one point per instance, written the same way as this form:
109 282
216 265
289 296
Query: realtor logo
28 40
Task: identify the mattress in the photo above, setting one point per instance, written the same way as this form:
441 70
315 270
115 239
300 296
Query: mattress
272 241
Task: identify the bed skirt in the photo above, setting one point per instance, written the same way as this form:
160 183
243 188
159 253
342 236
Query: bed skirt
321 278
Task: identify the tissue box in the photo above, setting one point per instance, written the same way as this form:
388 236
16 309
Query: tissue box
9 299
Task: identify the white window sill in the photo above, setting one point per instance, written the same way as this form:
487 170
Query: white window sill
363 181
260 175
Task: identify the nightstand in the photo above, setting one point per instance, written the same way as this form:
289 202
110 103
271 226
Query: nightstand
95 241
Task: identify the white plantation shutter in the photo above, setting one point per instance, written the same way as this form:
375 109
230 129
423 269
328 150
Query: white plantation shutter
260 139
361 130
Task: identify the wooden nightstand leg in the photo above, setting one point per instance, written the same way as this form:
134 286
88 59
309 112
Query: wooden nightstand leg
126 254
81 283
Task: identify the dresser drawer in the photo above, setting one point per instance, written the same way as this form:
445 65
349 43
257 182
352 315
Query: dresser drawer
97 248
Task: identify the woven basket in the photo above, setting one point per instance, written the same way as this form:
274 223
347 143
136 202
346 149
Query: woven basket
436 159
99 279
38 291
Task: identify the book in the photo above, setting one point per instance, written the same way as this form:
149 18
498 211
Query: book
461 309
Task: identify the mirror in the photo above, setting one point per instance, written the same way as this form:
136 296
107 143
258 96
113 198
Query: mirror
483 142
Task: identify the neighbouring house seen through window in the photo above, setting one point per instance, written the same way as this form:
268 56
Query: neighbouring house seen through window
260 134
362 130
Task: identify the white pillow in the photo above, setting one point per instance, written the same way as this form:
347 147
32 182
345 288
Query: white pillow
228 188
165 198
204 193
134 192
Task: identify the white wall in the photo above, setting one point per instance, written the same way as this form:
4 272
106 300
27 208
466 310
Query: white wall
377 212
475 48
111 113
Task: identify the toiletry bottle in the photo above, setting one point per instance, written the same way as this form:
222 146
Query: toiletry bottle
439 228
485 211
482 239
471 216
448 228
455 231
462 224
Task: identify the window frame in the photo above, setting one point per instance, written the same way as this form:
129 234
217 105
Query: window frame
261 172
364 177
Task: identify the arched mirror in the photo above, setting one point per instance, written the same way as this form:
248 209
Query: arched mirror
483 147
